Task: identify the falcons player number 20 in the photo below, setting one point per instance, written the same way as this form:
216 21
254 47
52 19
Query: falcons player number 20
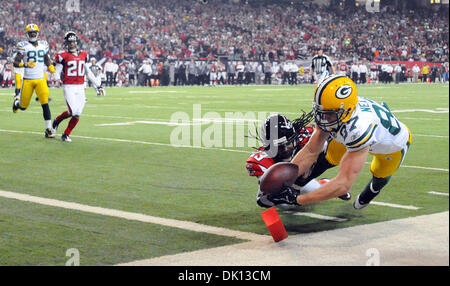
75 68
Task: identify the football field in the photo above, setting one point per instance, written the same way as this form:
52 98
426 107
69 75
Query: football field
153 172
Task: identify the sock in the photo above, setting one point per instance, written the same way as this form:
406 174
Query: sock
48 124
372 189
62 116
310 186
46 112
72 123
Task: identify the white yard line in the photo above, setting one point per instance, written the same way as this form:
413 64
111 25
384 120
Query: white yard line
425 168
186 225
133 141
394 205
435 136
318 216
186 146
438 193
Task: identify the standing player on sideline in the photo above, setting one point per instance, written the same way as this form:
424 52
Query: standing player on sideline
73 65
7 74
32 56
321 65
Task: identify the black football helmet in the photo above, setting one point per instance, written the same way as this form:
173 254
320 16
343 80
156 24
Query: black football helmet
69 38
278 137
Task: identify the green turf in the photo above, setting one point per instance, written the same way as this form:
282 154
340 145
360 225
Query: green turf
208 186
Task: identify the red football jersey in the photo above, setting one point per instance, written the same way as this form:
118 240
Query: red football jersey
74 66
258 163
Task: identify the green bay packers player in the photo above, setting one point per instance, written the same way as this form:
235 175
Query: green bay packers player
32 55
364 127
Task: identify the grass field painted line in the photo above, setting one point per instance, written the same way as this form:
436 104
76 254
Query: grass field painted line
425 168
318 216
186 225
132 141
434 136
395 206
185 146
440 110
438 193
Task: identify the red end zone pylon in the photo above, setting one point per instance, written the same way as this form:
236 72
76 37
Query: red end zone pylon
274 224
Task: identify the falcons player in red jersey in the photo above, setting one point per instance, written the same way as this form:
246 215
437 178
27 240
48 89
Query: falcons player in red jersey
281 140
72 63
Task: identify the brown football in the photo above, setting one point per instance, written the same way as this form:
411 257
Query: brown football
273 179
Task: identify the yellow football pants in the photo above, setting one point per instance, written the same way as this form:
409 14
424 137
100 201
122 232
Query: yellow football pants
385 165
18 80
30 85
382 165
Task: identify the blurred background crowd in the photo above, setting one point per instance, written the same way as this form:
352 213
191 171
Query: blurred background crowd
166 33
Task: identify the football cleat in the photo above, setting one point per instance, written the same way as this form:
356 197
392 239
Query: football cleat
14 107
65 138
358 205
49 133
54 126
346 197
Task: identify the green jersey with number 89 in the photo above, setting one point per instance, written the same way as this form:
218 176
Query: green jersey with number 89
372 124
32 53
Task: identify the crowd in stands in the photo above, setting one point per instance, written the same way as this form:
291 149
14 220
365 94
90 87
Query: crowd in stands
165 31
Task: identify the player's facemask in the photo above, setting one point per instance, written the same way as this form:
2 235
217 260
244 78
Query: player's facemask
32 36
285 151
329 120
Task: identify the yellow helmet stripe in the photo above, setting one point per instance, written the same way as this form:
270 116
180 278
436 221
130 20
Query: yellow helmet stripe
322 86
365 137
33 27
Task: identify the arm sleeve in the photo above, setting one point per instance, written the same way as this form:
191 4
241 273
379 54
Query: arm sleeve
92 78
58 70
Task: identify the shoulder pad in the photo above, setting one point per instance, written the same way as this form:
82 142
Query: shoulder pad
42 42
360 135
21 45
258 163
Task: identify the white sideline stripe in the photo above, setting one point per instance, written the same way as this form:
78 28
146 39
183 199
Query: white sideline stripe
426 168
438 193
437 136
195 121
186 225
414 118
318 216
185 146
147 122
441 110
155 91
394 205
134 141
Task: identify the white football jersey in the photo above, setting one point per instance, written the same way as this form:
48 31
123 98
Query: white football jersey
373 125
19 71
35 54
